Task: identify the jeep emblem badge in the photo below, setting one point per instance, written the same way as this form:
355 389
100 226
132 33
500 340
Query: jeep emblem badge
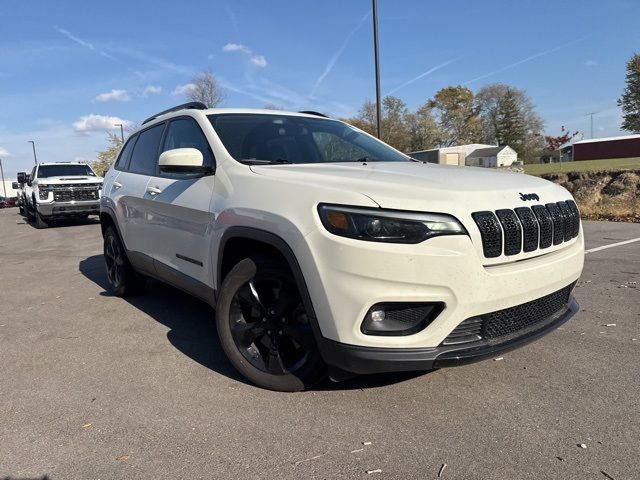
529 196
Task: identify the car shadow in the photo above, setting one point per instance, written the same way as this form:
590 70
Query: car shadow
193 332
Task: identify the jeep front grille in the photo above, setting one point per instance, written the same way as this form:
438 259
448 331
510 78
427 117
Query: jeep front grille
527 229
512 321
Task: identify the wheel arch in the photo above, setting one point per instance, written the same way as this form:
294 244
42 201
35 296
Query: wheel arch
240 242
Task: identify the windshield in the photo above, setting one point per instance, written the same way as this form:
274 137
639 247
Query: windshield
45 171
263 138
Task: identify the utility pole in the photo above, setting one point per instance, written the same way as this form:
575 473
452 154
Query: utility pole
4 187
33 144
591 114
121 130
377 61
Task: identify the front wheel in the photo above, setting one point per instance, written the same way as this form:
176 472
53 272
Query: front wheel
40 221
264 328
121 277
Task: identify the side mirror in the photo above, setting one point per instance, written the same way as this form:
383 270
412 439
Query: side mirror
22 177
182 160
15 185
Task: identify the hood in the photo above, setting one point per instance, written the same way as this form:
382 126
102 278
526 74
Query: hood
69 179
424 187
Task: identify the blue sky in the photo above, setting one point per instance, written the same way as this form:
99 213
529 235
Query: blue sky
68 68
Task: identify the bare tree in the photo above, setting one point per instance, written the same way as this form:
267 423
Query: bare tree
206 89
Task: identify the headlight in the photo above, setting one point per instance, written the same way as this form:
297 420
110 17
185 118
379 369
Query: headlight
43 191
391 226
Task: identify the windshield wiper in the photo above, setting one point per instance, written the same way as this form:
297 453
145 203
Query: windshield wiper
256 161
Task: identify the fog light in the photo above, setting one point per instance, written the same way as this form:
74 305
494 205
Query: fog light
396 319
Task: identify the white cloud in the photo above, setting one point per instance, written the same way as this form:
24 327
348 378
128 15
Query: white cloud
96 123
114 96
183 89
151 90
259 61
590 63
236 47
4 152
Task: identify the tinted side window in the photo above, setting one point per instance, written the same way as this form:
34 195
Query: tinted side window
186 133
125 154
145 151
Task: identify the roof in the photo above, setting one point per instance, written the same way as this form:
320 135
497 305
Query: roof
487 152
211 111
607 139
456 148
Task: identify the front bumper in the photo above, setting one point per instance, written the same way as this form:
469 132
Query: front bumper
366 360
69 209
345 278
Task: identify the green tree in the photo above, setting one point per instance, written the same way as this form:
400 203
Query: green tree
423 130
394 128
630 100
108 156
456 115
510 124
488 101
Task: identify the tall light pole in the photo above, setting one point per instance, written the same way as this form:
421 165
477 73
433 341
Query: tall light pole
591 114
33 144
377 61
4 187
121 130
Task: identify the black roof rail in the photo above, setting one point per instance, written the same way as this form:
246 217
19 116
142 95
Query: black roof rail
311 112
184 106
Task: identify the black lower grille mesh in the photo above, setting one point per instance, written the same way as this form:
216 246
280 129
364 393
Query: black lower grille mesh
510 321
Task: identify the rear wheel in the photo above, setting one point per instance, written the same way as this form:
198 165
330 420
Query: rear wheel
264 328
121 277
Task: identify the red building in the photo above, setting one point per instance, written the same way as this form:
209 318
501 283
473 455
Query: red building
605 148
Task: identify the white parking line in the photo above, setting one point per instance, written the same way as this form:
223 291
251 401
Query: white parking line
604 247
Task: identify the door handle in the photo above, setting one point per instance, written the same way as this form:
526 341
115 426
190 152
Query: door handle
117 185
153 190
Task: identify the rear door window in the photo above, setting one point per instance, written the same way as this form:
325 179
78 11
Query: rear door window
145 152
125 154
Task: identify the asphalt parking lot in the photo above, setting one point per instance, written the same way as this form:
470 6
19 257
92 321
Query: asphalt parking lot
97 387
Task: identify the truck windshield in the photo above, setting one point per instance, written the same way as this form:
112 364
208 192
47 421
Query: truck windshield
46 171
276 139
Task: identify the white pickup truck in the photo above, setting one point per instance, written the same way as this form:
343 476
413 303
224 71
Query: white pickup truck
61 190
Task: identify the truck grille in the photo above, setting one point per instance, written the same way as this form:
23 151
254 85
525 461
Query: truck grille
527 229
80 195
513 320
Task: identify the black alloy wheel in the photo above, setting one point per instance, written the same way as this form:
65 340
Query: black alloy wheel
121 277
264 327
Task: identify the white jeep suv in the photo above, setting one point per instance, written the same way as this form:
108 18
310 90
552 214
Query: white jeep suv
323 249
61 190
